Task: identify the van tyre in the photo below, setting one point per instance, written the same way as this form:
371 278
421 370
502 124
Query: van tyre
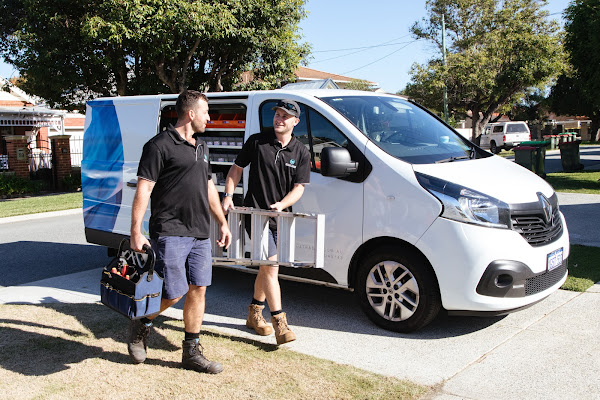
397 289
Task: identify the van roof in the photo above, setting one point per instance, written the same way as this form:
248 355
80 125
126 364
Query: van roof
506 123
284 92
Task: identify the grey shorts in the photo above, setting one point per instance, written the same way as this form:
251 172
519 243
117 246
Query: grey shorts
272 240
272 248
182 261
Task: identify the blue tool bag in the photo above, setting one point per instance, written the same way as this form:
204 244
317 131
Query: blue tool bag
129 284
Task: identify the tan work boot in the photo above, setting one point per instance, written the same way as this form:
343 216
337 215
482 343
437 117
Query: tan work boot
256 320
283 334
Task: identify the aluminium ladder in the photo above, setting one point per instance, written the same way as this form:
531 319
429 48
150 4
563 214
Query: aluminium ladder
259 225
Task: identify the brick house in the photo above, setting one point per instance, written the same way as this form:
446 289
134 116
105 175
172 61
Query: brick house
27 129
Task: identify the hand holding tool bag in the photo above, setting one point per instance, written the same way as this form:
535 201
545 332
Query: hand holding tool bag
130 286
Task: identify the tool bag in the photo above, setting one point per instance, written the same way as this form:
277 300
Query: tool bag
129 285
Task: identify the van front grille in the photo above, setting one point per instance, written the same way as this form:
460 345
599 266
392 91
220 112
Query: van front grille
536 231
541 282
532 221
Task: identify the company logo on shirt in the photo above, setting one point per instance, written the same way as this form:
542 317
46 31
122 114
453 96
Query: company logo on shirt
291 164
205 159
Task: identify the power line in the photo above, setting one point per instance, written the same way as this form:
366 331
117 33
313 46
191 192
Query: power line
386 56
365 47
358 51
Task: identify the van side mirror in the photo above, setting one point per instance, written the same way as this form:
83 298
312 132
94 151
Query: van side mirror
336 162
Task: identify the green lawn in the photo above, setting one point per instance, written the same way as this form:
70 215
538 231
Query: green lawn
587 182
37 204
584 268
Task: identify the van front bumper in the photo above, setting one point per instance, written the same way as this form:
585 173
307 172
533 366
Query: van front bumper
491 270
504 278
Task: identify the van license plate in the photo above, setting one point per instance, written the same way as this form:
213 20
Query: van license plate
555 259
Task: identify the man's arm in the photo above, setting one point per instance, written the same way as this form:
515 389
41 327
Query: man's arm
290 199
140 203
217 212
233 178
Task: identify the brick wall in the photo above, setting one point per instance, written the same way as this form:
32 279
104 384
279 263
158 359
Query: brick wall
16 147
61 158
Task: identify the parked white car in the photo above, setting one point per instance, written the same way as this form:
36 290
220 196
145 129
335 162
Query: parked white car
504 135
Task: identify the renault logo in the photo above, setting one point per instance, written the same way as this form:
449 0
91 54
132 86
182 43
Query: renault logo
546 208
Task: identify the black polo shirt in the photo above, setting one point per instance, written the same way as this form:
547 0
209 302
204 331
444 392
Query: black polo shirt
179 200
274 170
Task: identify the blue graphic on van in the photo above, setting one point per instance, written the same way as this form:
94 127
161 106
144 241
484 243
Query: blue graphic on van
102 167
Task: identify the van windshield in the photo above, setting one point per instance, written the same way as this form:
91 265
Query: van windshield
403 129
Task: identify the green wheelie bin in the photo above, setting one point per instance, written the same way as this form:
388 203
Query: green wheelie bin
532 155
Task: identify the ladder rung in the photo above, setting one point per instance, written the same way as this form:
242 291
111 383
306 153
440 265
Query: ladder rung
259 227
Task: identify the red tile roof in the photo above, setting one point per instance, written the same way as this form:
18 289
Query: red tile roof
304 73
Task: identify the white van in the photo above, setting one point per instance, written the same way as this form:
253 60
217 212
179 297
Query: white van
504 135
418 226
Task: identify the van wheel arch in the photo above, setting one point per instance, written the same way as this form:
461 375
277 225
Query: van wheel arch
410 304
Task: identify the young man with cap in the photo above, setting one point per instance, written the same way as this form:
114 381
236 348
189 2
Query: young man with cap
174 171
279 169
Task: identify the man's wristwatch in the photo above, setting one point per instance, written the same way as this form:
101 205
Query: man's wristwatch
227 194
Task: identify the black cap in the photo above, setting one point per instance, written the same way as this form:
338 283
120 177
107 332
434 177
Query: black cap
289 106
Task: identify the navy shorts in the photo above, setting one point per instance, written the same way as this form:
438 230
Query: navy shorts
182 261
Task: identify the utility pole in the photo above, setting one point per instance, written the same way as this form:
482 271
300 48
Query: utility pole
444 63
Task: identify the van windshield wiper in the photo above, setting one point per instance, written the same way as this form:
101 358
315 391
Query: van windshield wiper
469 157
445 160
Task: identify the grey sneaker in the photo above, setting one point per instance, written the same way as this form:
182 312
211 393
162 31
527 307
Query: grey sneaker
194 359
138 334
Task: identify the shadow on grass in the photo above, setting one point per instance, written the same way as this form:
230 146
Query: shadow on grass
39 345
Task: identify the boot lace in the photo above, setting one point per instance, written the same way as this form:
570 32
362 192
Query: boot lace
282 325
142 333
197 349
258 316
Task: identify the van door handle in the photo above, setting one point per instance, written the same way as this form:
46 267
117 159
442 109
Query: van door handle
132 184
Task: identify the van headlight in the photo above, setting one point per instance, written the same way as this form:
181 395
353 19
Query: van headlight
467 205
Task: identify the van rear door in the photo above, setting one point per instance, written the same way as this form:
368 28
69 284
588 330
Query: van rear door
116 130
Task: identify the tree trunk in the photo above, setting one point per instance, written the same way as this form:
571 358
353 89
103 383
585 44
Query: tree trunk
478 123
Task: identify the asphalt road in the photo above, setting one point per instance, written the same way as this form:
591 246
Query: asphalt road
41 248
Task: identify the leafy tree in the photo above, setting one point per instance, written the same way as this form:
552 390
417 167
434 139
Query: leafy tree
73 50
577 92
532 107
359 84
497 51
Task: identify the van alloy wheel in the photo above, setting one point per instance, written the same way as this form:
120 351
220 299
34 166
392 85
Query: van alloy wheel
397 289
392 291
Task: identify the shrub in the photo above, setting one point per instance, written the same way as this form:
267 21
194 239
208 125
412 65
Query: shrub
72 182
11 185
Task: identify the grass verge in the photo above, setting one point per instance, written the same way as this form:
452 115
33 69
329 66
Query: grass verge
78 351
37 204
586 182
584 268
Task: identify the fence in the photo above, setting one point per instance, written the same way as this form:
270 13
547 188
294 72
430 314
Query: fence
76 145
39 154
